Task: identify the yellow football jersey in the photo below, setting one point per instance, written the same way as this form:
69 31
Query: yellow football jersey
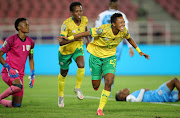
69 28
105 42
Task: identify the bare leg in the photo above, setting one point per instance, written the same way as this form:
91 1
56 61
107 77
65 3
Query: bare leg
109 78
96 84
17 99
173 83
64 72
80 61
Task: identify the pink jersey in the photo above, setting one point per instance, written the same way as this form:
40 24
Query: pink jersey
17 52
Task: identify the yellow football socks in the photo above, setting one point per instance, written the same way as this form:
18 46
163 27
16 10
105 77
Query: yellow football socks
80 75
104 97
61 82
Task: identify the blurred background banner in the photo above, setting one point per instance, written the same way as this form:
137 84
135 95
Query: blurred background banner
154 24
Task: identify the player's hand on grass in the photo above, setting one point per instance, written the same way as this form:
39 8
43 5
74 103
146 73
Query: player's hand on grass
145 55
32 79
13 73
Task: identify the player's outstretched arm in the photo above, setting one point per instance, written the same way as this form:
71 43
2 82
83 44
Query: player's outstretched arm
132 42
77 36
64 40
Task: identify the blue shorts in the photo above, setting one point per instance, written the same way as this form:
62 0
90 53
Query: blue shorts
167 94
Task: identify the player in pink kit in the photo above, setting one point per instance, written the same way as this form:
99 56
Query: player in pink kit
17 48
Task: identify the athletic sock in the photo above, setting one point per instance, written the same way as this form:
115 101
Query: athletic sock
12 89
80 75
61 82
104 97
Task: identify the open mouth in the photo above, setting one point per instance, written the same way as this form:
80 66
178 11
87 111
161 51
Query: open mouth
122 28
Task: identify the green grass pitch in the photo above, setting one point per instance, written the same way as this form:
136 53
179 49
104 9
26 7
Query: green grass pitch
41 100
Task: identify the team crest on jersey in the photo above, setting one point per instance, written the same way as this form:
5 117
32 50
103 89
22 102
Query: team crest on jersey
99 31
4 44
160 92
63 28
74 31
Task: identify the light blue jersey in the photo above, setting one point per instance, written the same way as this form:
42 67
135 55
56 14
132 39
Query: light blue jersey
162 94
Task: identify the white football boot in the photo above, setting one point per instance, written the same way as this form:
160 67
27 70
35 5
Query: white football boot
79 93
61 101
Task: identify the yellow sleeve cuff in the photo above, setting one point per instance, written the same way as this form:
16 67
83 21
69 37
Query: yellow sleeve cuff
71 37
138 50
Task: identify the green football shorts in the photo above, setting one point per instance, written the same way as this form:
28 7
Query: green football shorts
65 60
101 65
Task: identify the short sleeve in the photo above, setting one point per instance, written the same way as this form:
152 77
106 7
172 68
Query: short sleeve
131 98
64 30
96 32
7 45
127 35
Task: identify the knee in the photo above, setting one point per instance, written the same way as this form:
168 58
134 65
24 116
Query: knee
175 80
16 87
109 82
64 73
80 65
95 84
96 87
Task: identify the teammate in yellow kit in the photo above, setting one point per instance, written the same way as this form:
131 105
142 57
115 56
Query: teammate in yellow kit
103 49
73 49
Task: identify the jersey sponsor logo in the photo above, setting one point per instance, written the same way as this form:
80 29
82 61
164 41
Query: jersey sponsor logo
4 44
99 31
63 28
106 39
74 31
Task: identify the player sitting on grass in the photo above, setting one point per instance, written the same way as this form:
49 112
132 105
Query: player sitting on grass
164 93
17 48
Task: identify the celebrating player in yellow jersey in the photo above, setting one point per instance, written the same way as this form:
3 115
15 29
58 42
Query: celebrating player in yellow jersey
103 49
72 49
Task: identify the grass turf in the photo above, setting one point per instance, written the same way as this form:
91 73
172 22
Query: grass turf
41 100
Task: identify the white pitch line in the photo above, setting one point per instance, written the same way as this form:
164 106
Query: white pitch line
89 97
92 97
165 103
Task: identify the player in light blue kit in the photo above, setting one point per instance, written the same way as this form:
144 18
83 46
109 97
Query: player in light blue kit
164 93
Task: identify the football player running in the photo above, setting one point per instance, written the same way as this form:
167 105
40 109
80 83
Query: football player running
102 53
72 49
